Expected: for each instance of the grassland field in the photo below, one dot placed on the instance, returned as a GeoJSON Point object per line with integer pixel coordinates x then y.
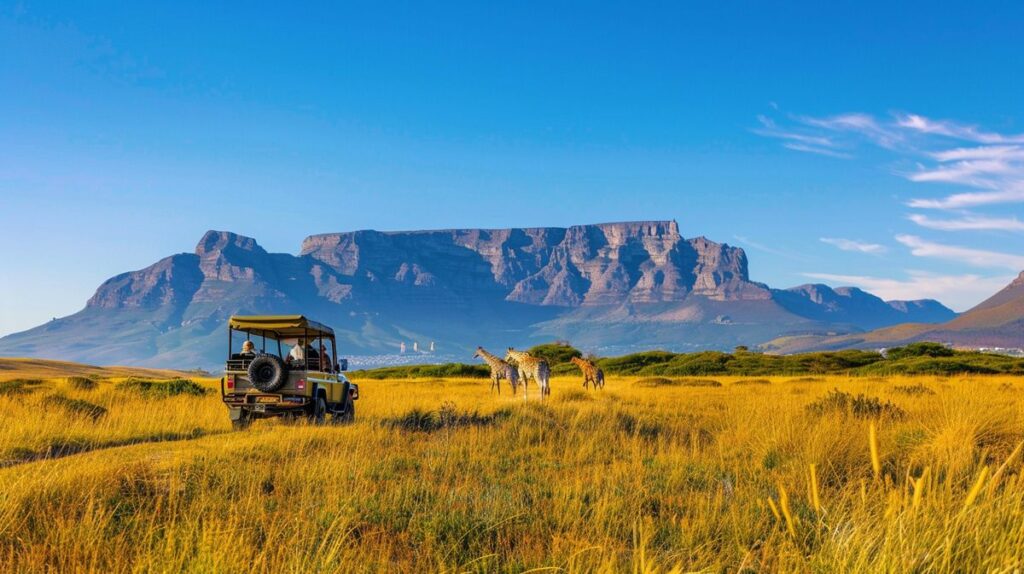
{"type": "Point", "coordinates": [651, 474]}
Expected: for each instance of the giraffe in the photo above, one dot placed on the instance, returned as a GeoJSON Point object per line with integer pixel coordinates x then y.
{"type": "Point", "coordinates": [531, 367]}
{"type": "Point", "coordinates": [591, 374]}
{"type": "Point", "coordinates": [499, 370]}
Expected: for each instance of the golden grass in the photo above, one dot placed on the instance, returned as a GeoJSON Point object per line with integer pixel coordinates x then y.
{"type": "Point", "coordinates": [632, 478]}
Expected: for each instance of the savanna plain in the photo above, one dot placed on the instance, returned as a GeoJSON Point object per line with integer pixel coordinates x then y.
{"type": "Point", "coordinates": [113, 471]}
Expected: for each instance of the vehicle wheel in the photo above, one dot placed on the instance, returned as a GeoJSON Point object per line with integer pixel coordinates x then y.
{"type": "Point", "coordinates": [241, 423]}
{"type": "Point", "coordinates": [347, 416]}
{"type": "Point", "coordinates": [319, 414]}
{"type": "Point", "coordinates": [267, 373]}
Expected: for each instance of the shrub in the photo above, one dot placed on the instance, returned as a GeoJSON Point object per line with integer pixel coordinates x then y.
{"type": "Point", "coordinates": [632, 364]}
{"type": "Point", "coordinates": [81, 383]}
{"type": "Point", "coordinates": [447, 416]}
{"type": "Point", "coordinates": [923, 349]}
{"type": "Point", "coordinates": [913, 390]}
{"type": "Point", "coordinates": [555, 353]}
{"type": "Point", "coordinates": [19, 386]}
{"type": "Point", "coordinates": [861, 406]}
{"type": "Point", "coordinates": [168, 388]}
{"type": "Point", "coordinates": [656, 382]}
{"type": "Point", "coordinates": [447, 370]}
{"type": "Point", "coordinates": [753, 382]}
{"type": "Point", "coordinates": [699, 383]}
{"type": "Point", "coordinates": [75, 406]}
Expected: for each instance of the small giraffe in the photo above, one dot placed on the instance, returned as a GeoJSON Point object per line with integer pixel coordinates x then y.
{"type": "Point", "coordinates": [531, 367]}
{"type": "Point", "coordinates": [499, 370]}
{"type": "Point", "coordinates": [591, 373]}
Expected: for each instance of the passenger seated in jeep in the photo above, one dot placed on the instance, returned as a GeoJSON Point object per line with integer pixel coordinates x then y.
{"type": "Point", "coordinates": [300, 351]}
{"type": "Point", "coordinates": [248, 350]}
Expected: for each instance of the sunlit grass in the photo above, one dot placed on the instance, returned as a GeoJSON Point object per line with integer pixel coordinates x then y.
{"type": "Point", "coordinates": [439, 474]}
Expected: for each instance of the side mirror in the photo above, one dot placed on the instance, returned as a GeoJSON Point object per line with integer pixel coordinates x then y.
{"type": "Point", "coordinates": [342, 365]}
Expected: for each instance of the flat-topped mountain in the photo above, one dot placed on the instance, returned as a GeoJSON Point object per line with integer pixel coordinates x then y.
{"type": "Point", "coordinates": [613, 286]}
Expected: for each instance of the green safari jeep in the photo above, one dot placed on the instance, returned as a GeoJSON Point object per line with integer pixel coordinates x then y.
{"type": "Point", "coordinates": [261, 380]}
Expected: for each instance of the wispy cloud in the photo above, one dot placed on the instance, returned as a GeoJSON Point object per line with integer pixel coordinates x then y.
{"type": "Point", "coordinates": [800, 141]}
{"type": "Point", "coordinates": [854, 245]}
{"type": "Point", "coordinates": [954, 130]}
{"type": "Point", "coordinates": [959, 292]}
{"type": "Point", "coordinates": [970, 199]}
{"type": "Point", "coordinates": [969, 223]}
{"type": "Point", "coordinates": [969, 256]}
{"type": "Point", "coordinates": [946, 152]}
{"type": "Point", "coordinates": [817, 150]}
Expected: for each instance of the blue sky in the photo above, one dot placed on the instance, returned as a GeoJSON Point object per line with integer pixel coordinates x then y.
{"type": "Point", "coordinates": [849, 143]}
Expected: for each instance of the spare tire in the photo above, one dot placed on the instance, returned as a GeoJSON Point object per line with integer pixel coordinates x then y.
{"type": "Point", "coordinates": [267, 373]}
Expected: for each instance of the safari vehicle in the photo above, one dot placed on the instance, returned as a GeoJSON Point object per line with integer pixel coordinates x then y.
{"type": "Point", "coordinates": [270, 383]}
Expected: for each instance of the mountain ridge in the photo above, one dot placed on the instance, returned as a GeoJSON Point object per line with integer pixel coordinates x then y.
{"type": "Point", "coordinates": [625, 284]}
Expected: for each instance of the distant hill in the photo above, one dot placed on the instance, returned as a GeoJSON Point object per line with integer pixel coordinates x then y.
{"type": "Point", "coordinates": [611, 288]}
{"type": "Point", "coordinates": [996, 322]}
{"type": "Point", "coordinates": [47, 369]}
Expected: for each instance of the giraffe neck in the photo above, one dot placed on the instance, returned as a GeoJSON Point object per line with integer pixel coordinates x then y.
{"type": "Point", "coordinates": [492, 360]}
{"type": "Point", "coordinates": [519, 355]}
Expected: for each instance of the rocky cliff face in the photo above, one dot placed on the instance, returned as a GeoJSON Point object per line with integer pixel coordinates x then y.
{"type": "Point", "coordinates": [621, 286]}
{"type": "Point", "coordinates": [605, 264]}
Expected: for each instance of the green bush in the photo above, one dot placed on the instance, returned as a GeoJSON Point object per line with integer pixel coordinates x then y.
{"type": "Point", "coordinates": [167, 388]}
{"type": "Point", "coordinates": [555, 353]}
{"type": "Point", "coordinates": [452, 370]}
{"type": "Point", "coordinates": [923, 349]}
{"type": "Point", "coordinates": [632, 364]}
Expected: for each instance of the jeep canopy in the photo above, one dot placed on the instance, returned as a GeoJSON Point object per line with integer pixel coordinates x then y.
{"type": "Point", "coordinates": [282, 326]}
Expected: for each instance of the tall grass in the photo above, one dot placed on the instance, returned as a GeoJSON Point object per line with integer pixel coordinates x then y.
{"type": "Point", "coordinates": [447, 477]}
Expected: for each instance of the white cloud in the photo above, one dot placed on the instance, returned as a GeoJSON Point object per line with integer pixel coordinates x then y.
{"type": "Point", "coordinates": [959, 292]}
{"type": "Point", "coordinates": [970, 199]}
{"type": "Point", "coordinates": [974, 257]}
{"type": "Point", "coordinates": [1003, 152]}
{"type": "Point", "coordinates": [817, 150]}
{"type": "Point", "coordinates": [995, 164]}
{"type": "Point", "coordinates": [854, 245]}
{"type": "Point", "coordinates": [969, 223]}
{"type": "Point", "coordinates": [953, 130]}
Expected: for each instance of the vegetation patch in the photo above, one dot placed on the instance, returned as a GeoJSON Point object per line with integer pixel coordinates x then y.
{"type": "Point", "coordinates": [446, 417]}
{"type": "Point", "coordinates": [656, 382]}
{"type": "Point", "coordinates": [860, 406]}
{"type": "Point", "coordinates": [699, 383]}
{"type": "Point", "coordinates": [753, 382]}
{"type": "Point", "coordinates": [913, 390]}
{"type": "Point", "coordinates": [19, 386]}
{"type": "Point", "coordinates": [447, 370]}
{"type": "Point", "coordinates": [75, 407]}
{"type": "Point", "coordinates": [81, 383]}
{"type": "Point", "coordinates": [574, 395]}
{"type": "Point", "coordinates": [168, 388]}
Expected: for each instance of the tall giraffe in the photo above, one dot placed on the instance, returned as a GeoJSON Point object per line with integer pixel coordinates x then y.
{"type": "Point", "coordinates": [591, 374]}
{"type": "Point", "coordinates": [499, 370]}
{"type": "Point", "coordinates": [531, 367]}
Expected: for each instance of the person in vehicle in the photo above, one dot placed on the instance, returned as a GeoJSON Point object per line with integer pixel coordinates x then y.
{"type": "Point", "coordinates": [298, 352]}
{"type": "Point", "coordinates": [325, 363]}
{"type": "Point", "coordinates": [248, 350]}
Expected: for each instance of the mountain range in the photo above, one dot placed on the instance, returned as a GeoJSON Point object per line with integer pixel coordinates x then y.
{"type": "Point", "coordinates": [608, 288]}
{"type": "Point", "coordinates": [997, 322]}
